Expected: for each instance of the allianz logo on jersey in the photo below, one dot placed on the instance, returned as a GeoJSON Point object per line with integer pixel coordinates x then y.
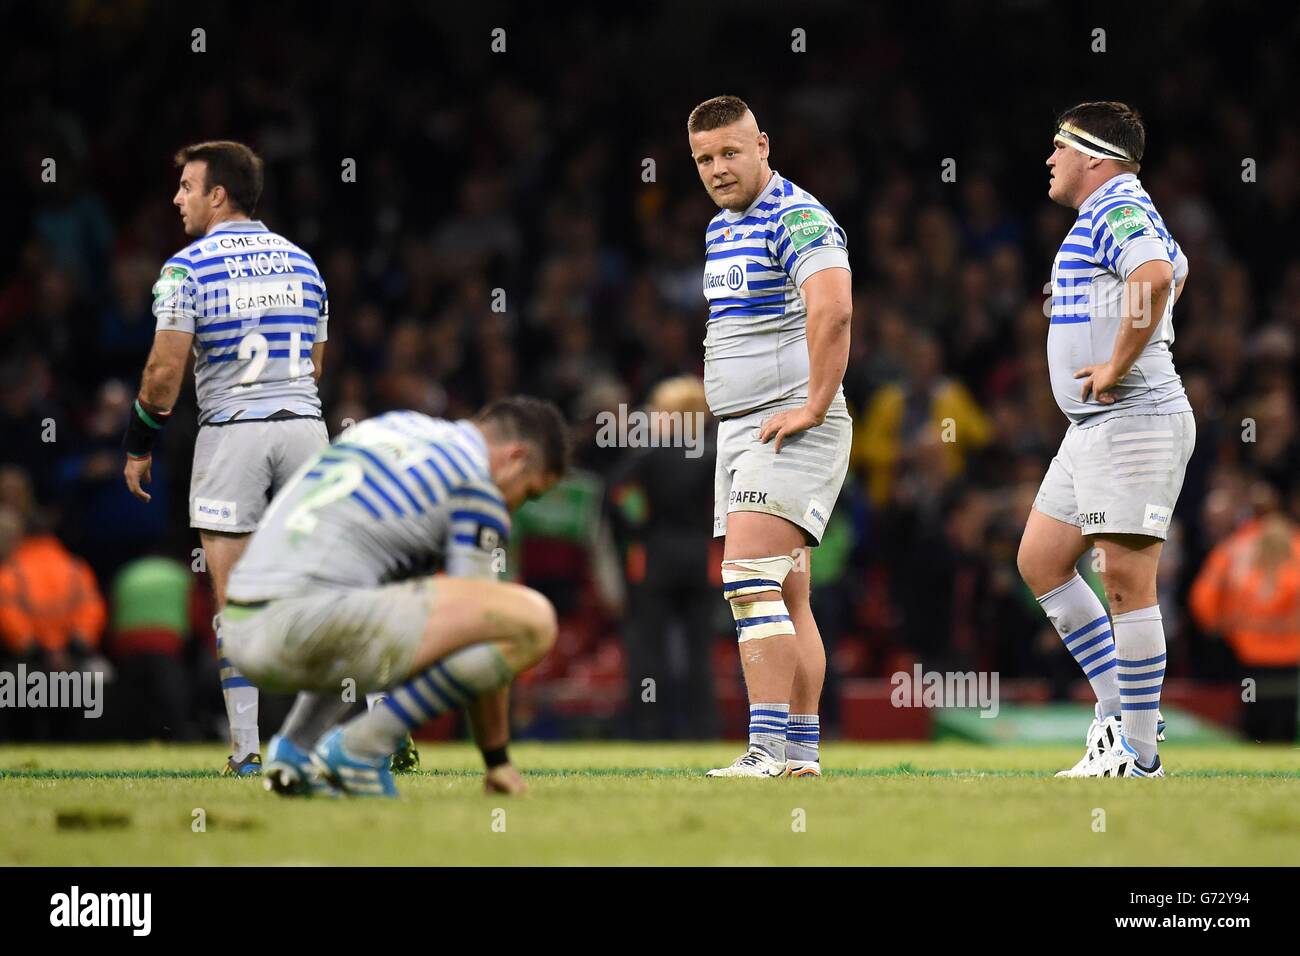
{"type": "Point", "coordinates": [732, 278]}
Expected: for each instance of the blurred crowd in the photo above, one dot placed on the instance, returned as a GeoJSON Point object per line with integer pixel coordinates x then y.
{"type": "Point", "coordinates": [505, 233]}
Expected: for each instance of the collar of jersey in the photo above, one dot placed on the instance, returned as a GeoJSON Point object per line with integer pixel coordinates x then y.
{"type": "Point", "coordinates": [1108, 184]}
{"type": "Point", "coordinates": [241, 225]}
{"type": "Point", "coordinates": [773, 185]}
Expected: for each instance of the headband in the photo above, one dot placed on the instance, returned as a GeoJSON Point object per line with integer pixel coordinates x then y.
{"type": "Point", "coordinates": [1091, 144]}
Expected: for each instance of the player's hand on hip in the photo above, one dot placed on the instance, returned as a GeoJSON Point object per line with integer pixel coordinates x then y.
{"type": "Point", "coordinates": [790, 422]}
{"type": "Point", "coordinates": [137, 472]}
{"type": "Point", "coordinates": [504, 779]}
{"type": "Point", "coordinates": [1099, 380]}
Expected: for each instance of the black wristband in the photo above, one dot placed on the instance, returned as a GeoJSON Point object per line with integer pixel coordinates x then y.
{"type": "Point", "coordinates": [496, 757]}
{"type": "Point", "coordinates": [142, 429]}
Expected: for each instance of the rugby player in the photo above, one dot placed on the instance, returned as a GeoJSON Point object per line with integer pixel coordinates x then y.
{"type": "Point", "coordinates": [334, 592]}
{"type": "Point", "coordinates": [1115, 480]}
{"type": "Point", "coordinates": [778, 286]}
{"type": "Point", "coordinates": [252, 308]}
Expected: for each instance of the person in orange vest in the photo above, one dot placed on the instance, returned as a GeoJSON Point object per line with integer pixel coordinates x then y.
{"type": "Point", "coordinates": [51, 612]}
{"type": "Point", "coordinates": [1248, 591]}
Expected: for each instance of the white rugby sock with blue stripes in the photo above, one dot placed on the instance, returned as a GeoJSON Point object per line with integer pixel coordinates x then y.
{"type": "Point", "coordinates": [1140, 636]}
{"type": "Point", "coordinates": [449, 684]}
{"type": "Point", "coordinates": [768, 724]}
{"type": "Point", "coordinates": [241, 703]}
{"type": "Point", "coordinates": [1076, 612]}
{"type": "Point", "coordinates": [802, 737]}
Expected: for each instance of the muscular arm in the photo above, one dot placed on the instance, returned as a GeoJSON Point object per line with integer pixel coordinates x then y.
{"type": "Point", "coordinates": [160, 385]}
{"type": "Point", "coordinates": [828, 296]}
{"type": "Point", "coordinates": [489, 717]}
{"type": "Point", "coordinates": [1147, 290]}
{"type": "Point", "coordinates": [1146, 294]}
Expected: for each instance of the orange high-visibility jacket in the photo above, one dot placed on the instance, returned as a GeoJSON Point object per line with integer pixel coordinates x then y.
{"type": "Point", "coordinates": [48, 596]}
{"type": "Point", "coordinates": [1256, 610]}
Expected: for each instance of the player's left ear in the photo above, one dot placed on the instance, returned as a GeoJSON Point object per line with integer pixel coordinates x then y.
{"type": "Point", "coordinates": [763, 145]}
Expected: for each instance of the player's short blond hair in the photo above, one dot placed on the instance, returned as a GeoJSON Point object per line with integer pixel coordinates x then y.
{"type": "Point", "coordinates": [685, 394]}
{"type": "Point", "coordinates": [719, 111]}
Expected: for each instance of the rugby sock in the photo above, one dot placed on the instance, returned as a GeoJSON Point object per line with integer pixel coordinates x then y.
{"type": "Point", "coordinates": [1076, 612]}
{"type": "Point", "coordinates": [312, 715]}
{"type": "Point", "coordinates": [802, 737]}
{"type": "Point", "coordinates": [451, 683]}
{"type": "Point", "coordinates": [241, 704]}
{"type": "Point", "coordinates": [1140, 636]}
{"type": "Point", "coordinates": [767, 728]}
{"type": "Point", "coordinates": [374, 697]}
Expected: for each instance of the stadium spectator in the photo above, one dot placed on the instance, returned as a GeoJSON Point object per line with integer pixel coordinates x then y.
{"type": "Point", "coordinates": [1249, 592]}
{"type": "Point", "coordinates": [927, 407]}
{"type": "Point", "coordinates": [153, 611]}
{"type": "Point", "coordinates": [51, 614]}
{"type": "Point", "coordinates": [661, 504]}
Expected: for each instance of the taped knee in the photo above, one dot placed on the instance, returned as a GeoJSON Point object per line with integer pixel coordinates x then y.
{"type": "Point", "coordinates": [750, 576]}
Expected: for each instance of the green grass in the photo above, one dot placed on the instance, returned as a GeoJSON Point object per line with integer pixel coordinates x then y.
{"type": "Point", "coordinates": [621, 803]}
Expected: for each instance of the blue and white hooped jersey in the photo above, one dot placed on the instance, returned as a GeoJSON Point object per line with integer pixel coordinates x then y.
{"type": "Point", "coordinates": [1117, 230]}
{"type": "Point", "coordinates": [255, 303]}
{"type": "Point", "coordinates": [755, 345]}
{"type": "Point", "coordinates": [392, 497]}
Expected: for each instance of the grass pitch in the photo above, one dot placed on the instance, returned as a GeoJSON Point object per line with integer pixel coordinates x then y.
{"type": "Point", "coordinates": [622, 804]}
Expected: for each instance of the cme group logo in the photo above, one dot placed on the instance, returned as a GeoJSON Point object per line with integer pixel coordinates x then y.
{"type": "Point", "coordinates": [735, 278]}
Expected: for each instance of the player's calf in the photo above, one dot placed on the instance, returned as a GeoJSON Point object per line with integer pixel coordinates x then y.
{"type": "Point", "coordinates": [753, 586]}
{"type": "Point", "coordinates": [516, 627]}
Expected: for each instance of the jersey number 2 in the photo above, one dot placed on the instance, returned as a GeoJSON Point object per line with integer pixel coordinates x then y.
{"type": "Point", "coordinates": [254, 346]}
{"type": "Point", "coordinates": [337, 481]}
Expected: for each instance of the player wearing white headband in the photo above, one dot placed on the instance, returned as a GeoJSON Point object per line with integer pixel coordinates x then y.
{"type": "Point", "coordinates": [1114, 482]}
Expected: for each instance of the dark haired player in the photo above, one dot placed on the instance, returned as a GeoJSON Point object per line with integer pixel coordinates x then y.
{"type": "Point", "coordinates": [252, 308]}
{"type": "Point", "coordinates": [1115, 480]}
{"type": "Point", "coordinates": [335, 586]}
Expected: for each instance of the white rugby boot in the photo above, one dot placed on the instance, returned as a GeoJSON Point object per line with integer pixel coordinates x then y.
{"type": "Point", "coordinates": [755, 762]}
{"type": "Point", "coordinates": [1122, 761]}
{"type": "Point", "coordinates": [1102, 736]}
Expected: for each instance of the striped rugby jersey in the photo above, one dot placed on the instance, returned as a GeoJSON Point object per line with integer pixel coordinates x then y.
{"type": "Point", "coordinates": [1118, 229]}
{"type": "Point", "coordinates": [392, 497]}
{"type": "Point", "coordinates": [755, 349]}
{"type": "Point", "coordinates": [255, 304]}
